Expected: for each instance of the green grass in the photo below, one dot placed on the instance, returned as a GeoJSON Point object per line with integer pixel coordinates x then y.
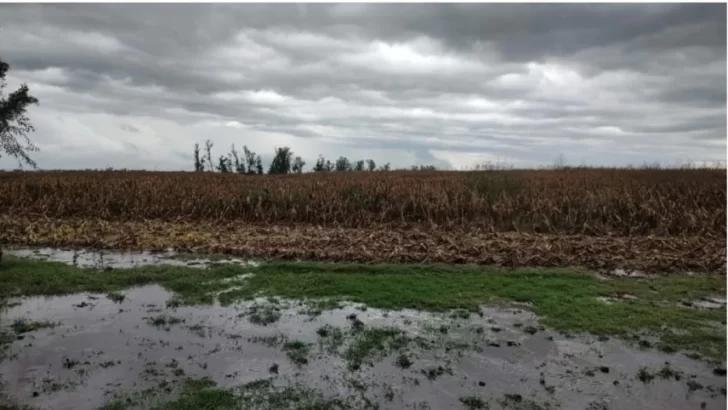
{"type": "Point", "coordinates": [373, 342]}
{"type": "Point", "coordinates": [263, 314]}
{"type": "Point", "coordinates": [297, 351]}
{"type": "Point", "coordinates": [474, 403]}
{"type": "Point", "coordinates": [564, 299]}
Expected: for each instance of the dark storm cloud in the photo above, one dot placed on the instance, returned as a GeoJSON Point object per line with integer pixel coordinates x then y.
{"type": "Point", "coordinates": [134, 85]}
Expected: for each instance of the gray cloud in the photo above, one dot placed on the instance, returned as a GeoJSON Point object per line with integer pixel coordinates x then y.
{"type": "Point", "coordinates": [447, 84]}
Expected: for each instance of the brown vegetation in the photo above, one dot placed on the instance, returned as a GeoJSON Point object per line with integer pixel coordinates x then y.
{"type": "Point", "coordinates": [649, 220]}
{"type": "Point", "coordinates": [591, 202]}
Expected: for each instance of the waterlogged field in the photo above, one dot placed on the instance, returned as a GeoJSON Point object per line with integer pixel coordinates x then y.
{"type": "Point", "coordinates": [83, 330]}
{"type": "Point", "coordinates": [554, 289]}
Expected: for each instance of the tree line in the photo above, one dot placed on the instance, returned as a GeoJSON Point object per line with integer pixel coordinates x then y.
{"type": "Point", "coordinates": [284, 162]}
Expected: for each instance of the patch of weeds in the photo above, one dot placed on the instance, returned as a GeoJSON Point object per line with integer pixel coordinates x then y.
{"type": "Point", "coordinates": [331, 338]}
{"type": "Point", "coordinates": [644, 375]}
{"type": "Point", "coordinates": [116, 297]}
{"type": "Point", "coordinates": [357, 325]}
{"type": "Point", "coordinates": [517, 402]}
{"type": "Point", "coordinates": [693, 355]}
{"type": "Point", "coordinates": [433, 373]}
{"type": "Point", "coordinates": [202, 394]}
{"type": "Point", "coordinates": [173, 364]}
{"type": "Point", "coordinates": [270, 341]}
{"type": "Point", "coordinates": [263, 314]}
{"type": "Point", "coordinates": [69, 363]}
{"type": "Point", "coordinates": [473, 403]}
{"type": "Point", "coordinates": [389, 393]}
{"type": "Point", "coordinates": [598, 405]}
{"type": "Point", "coordinates": [173, 303]}
{"type": "Point", "coordinates": [198, 329]}
{"type": "Point", "coordinates": [107, 364]}
{"type": "Point", "coordinates": [297, 351]}
{"type": "Point", "coordinates": [460, 314]}
{"type": "Point", "coordinates": [115, 405]}
{"type": "Point", "coordinates": [403, 361]}
{"type": "Point", "coordinates": [23, 325]}
{"type": "Point", "coordinates": [316, 307]}
{"type": "Point", "coordinates": [48, 385]}
{"type": "Point", "coordinates": [373, 342]}
{"type": "Point", "coordinates": [669, 373]}
{"type": "Point", "coordinates": [694, 386]}
{"type": "Point", "coordinates": [163, 320]}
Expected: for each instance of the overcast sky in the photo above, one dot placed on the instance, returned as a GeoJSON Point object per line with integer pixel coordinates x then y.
{"type": "Point", "coordinates": [452, 85]}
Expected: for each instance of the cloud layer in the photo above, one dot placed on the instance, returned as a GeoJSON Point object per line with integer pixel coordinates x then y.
{"type": "Point", "coordinates": [446, 84]}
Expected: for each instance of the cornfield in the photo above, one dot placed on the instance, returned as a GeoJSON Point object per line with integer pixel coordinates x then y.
{"type": "Point", "coordinates": [592, 202]}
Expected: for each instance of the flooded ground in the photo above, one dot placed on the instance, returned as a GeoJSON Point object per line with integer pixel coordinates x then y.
{"type": "Point", "coordinates": [101, 259]}
{"type": "Point", "coordinates": [85, 350]}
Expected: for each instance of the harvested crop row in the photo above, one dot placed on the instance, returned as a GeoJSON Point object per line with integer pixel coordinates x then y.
{"type": "Point", "coordinates": [579, 201]}
{"type": "Point", "coordinates": [377, 244]}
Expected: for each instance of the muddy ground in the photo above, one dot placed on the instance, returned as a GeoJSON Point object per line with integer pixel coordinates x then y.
{"type": "Point", "coordinates": [141, 348]}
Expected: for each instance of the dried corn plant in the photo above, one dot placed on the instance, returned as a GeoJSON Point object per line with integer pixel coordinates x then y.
{"type": "Point", "coordinates": [592, 202]}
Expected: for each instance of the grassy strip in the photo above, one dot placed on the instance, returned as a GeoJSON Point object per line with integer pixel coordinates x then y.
{"type": "Point", "coordinates": [566, 300]}
{"type": "Point", "coordinates": [259, 395]}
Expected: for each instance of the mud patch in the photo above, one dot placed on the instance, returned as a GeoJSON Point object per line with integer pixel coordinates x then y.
{"type": "Point", "coordinates": [112, 350]}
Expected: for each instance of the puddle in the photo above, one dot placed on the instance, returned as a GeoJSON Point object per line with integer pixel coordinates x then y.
{"type": "Point", "coordinates": [103, 349]}
{"type": "Point", "coordinates": [709, 303]}
{"type": "Point", "coordinates": [629, 274]}
{"type": "Point", "coordinates": [102, 259]}
{"type": "Point", "coordinates": [618, 298]}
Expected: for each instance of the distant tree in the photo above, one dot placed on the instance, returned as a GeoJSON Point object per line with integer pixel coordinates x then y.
{"type": "Point", "coordinates": [199, 164]}
{"type": "Point", "coordinates": [386, 167]}
{"type": "Point", "coordinates": [259, 165]}
{"type": "Point", "coordinates": [320, 165]}
{"type": "Point", "coordinates": [239, 166]}
{"type": "Point", "coordinates": [560, 161]}
{"type": "Point", "coordinates": [359, 165]}
{"type": "Point", "coordinates": [223, 164]}
{"type": "Point", "coordinates": [343, 164]}
{"type": "Point", "coordinates": [371, 165]}
{"type": "Point", "coordinates": [298, 164]}
{"type": "Point", "coordinates": [281, 163]}
{"type": "Point", "coordinates": [14, 123]}
{"type": "Point", "coordinates": [250, 160]}
{"type": "Point", "coordinates": [208, 149]}
{"type": "Point", "coordinates": [329, 166]}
